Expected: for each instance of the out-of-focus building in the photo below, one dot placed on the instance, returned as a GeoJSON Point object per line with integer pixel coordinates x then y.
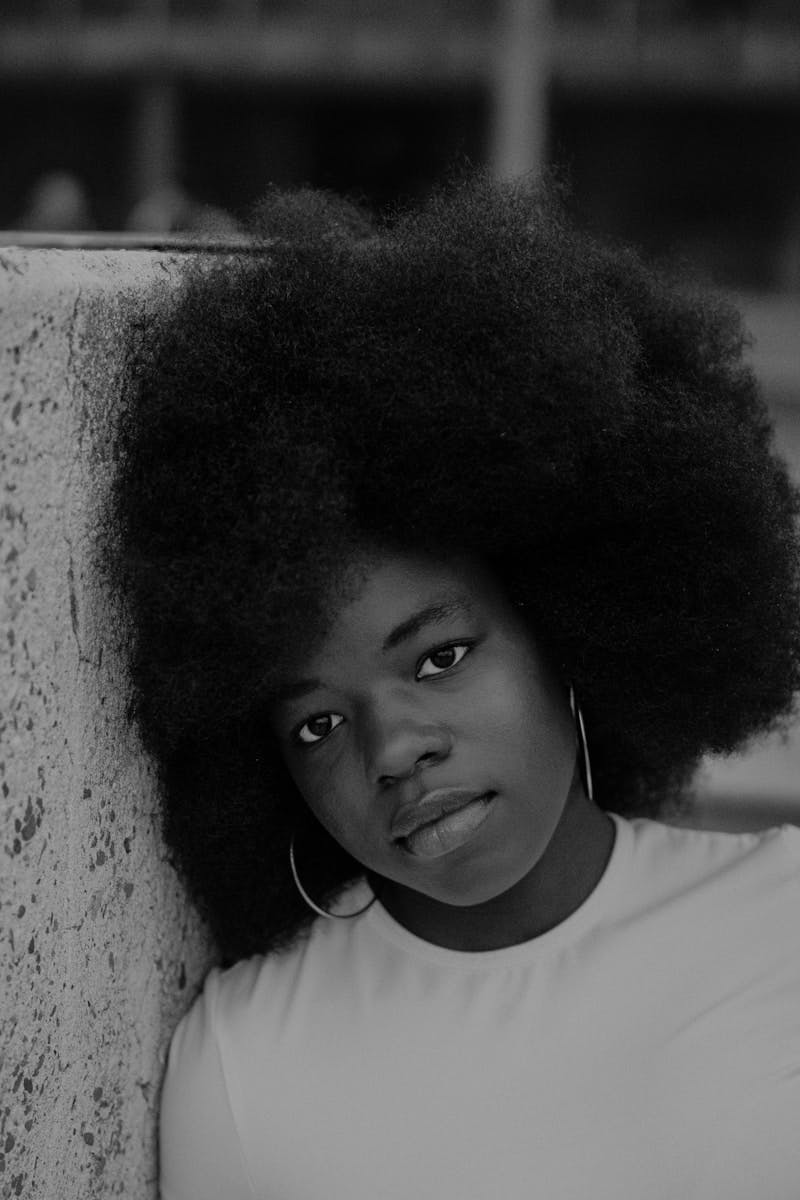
{"type": "Point", "coordinates": [677, 120]}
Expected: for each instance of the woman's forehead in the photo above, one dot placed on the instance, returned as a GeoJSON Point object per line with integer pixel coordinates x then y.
{"type": "Point", "coordinates": [388, 597]}
{"type": "Point", "coordinates": [374, 630]}
{"type": "Point", "coordinates": [390, 578]}
{"type": "Point", "coordinates": [381, 598]}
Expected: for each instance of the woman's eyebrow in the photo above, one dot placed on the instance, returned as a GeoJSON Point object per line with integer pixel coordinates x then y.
{"type": "Point", "coordinates": [293, 690]}
{"type": "Point", "coordinates": [439, 610]}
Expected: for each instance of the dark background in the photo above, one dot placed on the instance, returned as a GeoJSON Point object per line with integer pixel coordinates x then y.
{"type": "Point", "coordinates": [677, 120]}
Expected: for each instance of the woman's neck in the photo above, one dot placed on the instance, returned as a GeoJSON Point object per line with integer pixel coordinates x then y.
{"type": "Point", "coordinates": [559, 883]}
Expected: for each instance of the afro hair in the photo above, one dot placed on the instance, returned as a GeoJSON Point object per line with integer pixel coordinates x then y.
{"type": "Point", "coordinates": [472, 374]}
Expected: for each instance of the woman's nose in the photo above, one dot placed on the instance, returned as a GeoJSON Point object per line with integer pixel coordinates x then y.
{"type": "Point", "coordinates": [398, 743]}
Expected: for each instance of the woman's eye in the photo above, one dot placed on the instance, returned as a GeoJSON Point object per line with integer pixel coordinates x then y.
{"type": "Point", "coordinates": [443, 659]}
{"type": "Point", "coordinates": [317, 728]}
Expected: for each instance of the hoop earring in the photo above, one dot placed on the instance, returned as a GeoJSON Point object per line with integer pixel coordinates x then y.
{"type": "Point", "coordinates": [323, 912]}
{"type": "Point", "coordinates": [581, 730]}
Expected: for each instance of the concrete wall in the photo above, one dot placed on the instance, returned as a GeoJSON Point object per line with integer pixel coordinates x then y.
{"type": "Point", "coordinates": [99, 952]}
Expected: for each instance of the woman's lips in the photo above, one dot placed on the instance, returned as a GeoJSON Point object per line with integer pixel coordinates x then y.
{"type": "Point", "coordinates": [441, 821]}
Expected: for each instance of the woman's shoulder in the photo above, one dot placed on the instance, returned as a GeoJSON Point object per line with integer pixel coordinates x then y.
{"type": "Point", "coordinates": [224, 992]}
{"type": "Point", "coordinates": [779, 843]}
{"type": "Point", "coordinates": [232, 994]}
{"type": "Point", "coordinates": [670, 860]}
{"type": "Point", "coordinates": [235, 998]}
{"type": "Point", "coordinates": [227, 1014]}
{"type": "Point", "coordinates": [201, 1154]}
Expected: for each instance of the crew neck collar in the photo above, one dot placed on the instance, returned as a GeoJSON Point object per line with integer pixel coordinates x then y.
{"type": "Point", "coordinates": [584, 917]}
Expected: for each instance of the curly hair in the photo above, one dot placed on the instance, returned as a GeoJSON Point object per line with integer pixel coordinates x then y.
{"type": "Point", "coordinates": [471, 374]}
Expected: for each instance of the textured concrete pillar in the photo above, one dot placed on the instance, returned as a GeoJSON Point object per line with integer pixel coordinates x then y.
{"type": "Point", "coordinates": [100, 952]}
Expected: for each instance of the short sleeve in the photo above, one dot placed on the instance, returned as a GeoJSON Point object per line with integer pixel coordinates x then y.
{"type": "Point", "coordinates": [790, 835]}
{"type": "Point", "coordinates": [199, 1148]}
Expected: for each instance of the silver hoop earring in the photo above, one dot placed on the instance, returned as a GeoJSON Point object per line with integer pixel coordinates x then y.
{"type": "Point", "coordinates": [323, 912]}
{"type": "Point", "coordinates": [581, 730]}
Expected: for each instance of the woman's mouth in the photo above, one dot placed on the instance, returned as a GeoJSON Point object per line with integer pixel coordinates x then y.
{"type": "Point", "coordinates": [450, 829]}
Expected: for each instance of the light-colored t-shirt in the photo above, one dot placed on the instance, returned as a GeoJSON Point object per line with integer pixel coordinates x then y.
{"type": "Point", "coordinates": [646, 1048]}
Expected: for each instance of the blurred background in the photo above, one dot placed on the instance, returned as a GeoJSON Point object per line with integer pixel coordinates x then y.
{"type": "Point", "coordinates": [677, 121]}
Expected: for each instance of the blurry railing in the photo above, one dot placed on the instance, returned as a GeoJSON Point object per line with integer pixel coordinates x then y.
{"type": "Point", "coordinates": [630, 15]}
{"type": "Point", "coordinates": [721, 45]}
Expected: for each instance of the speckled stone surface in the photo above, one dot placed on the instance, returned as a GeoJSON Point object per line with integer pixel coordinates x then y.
{"type": "Point", "coordinates": [100, 952]}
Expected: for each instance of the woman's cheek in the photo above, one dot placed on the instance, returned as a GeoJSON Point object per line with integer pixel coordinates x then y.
{"type": "Point", "coordinates": [500, 699]}
{"type": "Point", "coordinates": [307, 779]}
{"type": "Point", "coordinates": [517, 702]}
{"type": "Point", "coordinates": [331, 794]}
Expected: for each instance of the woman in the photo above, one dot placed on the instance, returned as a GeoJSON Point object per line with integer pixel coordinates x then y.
{"type": "Point", "coordinates": [406, 510]}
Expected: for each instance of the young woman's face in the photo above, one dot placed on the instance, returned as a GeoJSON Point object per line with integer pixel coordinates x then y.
{"type": "Point", "coordinates": [428, 734]}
